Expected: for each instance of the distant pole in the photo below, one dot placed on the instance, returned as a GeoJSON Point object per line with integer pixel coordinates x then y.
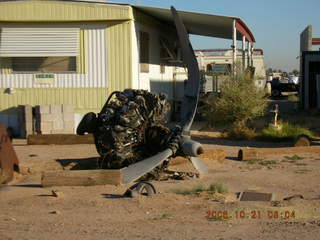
{"type": "Point", "coordinates": [234, 45]}
{"type": "Point", "coordinates": [249, 53]}
{"type": "Point", "coordinates": [243, 53]}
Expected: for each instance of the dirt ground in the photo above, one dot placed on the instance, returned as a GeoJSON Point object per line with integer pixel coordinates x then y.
{"type": "Point", "coordinates": [28, 211]}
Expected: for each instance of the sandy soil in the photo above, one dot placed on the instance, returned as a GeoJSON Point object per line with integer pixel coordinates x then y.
{"type": "Point", "coordinates": [28, 211]}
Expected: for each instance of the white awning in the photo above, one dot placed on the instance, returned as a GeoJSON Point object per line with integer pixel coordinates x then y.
{"type": "Point", "coordinates": [203, 24]}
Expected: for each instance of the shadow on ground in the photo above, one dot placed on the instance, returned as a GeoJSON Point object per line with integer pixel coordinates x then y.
{"type": "Point", "coordinates": [79, 163]}
{"type": "Point", "coordinates": [28, 185]}
{"type": "Point", "coordinates": [113, 196]}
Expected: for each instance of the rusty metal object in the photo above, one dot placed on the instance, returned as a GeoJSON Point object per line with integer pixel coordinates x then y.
{"type": "Point", "coordinates": [8, 158]}
{"type": "Point", "coordinates": [302, 141]}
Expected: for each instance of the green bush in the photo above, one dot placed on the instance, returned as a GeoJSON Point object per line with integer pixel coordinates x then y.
{"type": "Point", "coordinates": [211, 189]}
{"type": "Point", "coordinates": [238, 102]}
{"type": "Point", "coordinates": [240, 132]}
{"type": "Point", "coordinates": [217, 188]}
{"type": "Point", "coordinates": [285, 133]}
{"type": "Point", "coordinates": [293, 98]}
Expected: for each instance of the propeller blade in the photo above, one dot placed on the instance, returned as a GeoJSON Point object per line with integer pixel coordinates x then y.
{"type": "Point", "coordinates": [199, 165]}
{"type": "Point", "coordinates": [137, 170]}
{"type": "Point", "coordinates": [191, 95]}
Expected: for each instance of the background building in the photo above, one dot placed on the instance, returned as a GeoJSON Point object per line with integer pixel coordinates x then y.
{"type": "Point", "coordinates": [221, 60]}
{"type": "Point", "coordinates": [309, 70]}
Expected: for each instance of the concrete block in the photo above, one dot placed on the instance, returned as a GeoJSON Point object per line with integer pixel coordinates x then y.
{"type": "Point", "coordinates": [67, 108]}
{"type": "Point", "coordinates": [68, 117]}
{"type": "Point", "coordinates": [57, 125]}
{"type": "Point", "coordinates": [47, 117]}
{"type": "Point", "coordinates": [29, 126]}
{"type": "Point", "coordinates": [55, 109]}
{"type": "Point", "coordinates": [69, 126]}
{"type": "Point", "coordinates": [43, 109]}
{"type": "Point", "coordinates": [51, 117]}
{"type": "Point", "coordinates": [28, 132]}
{"type": "Point", "coordinates": [28, 113]}
{"type": "Point", "coordinates": [25, 120]}
{"type": "Point", "coordinates": [46, 127]}
{"type": "Point", "coordinates": [62, 131]}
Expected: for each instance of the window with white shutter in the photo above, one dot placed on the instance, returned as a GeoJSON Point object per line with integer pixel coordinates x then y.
{"type": "Point", "coordinates": [40, 49]}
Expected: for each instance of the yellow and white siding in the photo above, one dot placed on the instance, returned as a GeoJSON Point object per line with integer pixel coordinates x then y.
{"type": "Point", "coordinates": [103, 37]}
{"type": "Point", "coordinates": [103, 52]}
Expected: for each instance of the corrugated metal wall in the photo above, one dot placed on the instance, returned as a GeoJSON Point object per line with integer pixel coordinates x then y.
{"type": "Point", "coordinates": [84, 99]}
{"type": "Point", "coordinates": [72, 88]}
{"type": "Point", "coordinates": [61, 11]}
{"type": "Point", "coordinates": [119, 60]}
{"type": "Point", "coordinates": [96, 60]}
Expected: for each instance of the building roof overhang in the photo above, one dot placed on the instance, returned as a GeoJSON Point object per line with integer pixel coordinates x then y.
{"type": "Point", "coordinates": [203, 24]}
{"type": "Point", "coordinates": [74, 10]}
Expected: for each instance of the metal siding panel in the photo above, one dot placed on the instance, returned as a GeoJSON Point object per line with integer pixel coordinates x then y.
{"type": "Point", "coordinates": [98, 69]}
{"type": "Point", "coordinates": [58, 11]}
{"type": "Point", "coordinates": [105, 63]}
{"type": "Point", "coordinates": [82, 57]}
{"type": "Point", "coordinates": [94, 56]}
{"type": "Point", "coordinates": [90, 58]}
{"type": "Point", "coordinates": [102, 63]}
{"type": "Point", "coordinates": [97, 66]}
{"type": "Point", "coordinates": [117, 40]}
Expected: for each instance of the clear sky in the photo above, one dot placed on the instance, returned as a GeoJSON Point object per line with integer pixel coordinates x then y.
{"type": "Point", "coordinates": [276, 24]}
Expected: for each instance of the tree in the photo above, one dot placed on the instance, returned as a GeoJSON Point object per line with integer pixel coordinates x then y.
{"type": "Point", "coordinates": [295, 72]}
{"type": "Point", "coordinates": [269, 71]}
{"type": "Point", "coordinates": [240, 101]}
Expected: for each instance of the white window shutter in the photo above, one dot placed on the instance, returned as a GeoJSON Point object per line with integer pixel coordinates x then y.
{"type": "Point", "coordinates": [38, 42]}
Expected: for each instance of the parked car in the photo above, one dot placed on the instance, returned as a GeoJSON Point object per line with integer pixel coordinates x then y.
{"type": "Point", "coordinates": [278, 87]}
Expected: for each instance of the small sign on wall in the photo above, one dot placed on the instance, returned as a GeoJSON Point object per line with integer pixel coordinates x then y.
{"type": "Point", "coordinates": [44, 78]}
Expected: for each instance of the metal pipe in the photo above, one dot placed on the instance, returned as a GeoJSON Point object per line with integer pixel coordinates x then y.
{"type": "Point", "coordinates": [249, 54]}
{"type": "Point", "coordinates": [243, 53]}
{"type": "Point", "coordinates": [234, 45]}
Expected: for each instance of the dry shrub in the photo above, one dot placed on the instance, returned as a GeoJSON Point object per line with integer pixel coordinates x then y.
{"type": "Point", "coordinates": [240, 132]}
{"type": "Point", "coordinates": [238, 102]}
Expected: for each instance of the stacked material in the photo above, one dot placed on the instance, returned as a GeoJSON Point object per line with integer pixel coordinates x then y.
{"type": "Point", "coordinates": [54, 119]}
